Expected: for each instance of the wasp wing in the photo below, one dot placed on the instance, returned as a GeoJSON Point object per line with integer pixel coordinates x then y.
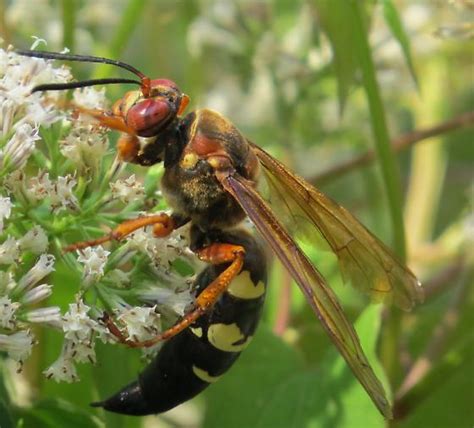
{"type": "Point", "coordinates": [311, 282]}
{"type": "Point", "coordinates": [367, 262]}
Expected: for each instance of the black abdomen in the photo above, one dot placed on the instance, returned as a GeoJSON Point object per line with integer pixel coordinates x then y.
{"type": "Point", "coordinates": [198, 356]}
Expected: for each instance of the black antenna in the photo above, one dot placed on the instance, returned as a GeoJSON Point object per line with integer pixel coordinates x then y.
{"type": "Point", "coordinates": [81, 84]}
{"type": "Point", "coordinates": [81, 58]}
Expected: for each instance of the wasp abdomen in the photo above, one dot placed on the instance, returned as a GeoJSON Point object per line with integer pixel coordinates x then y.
{"type": "Point", "coordinates": [192, 360]}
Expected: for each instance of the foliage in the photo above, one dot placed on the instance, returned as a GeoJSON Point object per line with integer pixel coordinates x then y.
{"type": "Point", "coordinates": [316, 83]}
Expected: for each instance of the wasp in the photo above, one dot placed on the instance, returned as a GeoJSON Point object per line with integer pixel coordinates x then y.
{"type": "Point", "coordinates": [211, 180]}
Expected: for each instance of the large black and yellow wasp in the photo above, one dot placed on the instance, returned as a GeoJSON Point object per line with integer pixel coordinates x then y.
{"type": "Point", "coordinates": [211, 176]}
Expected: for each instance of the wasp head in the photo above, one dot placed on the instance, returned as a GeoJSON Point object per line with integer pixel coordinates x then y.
{"type": "Point", "coordinates": [150, 113]}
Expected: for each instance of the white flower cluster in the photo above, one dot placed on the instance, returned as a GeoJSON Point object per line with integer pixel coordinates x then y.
{"type": "Point", "coordinates": [54, 180]}
{"type": "Point", "coordinates": [87, 143]}
{"type": "Point", "coordinates": [36, 189]}
{"type": "Point", "coordinates": [127, 190]}
{"type": "Point", "coordinates": [80, 332]}
{"type": "Point", "coordinates": [21, 112]}
{"type": "Point", "coordinates": [16, 298]}
{"type": "Point", "coordinates": [161, 251]}
{"type": "Point", "coordinates": [93, 259]}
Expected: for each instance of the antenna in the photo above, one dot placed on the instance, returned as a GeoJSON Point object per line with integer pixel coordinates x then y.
{"type": "Point", "coordinates": [144, 80]}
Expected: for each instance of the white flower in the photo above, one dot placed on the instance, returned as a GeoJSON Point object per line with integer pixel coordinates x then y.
{"type": "Point", "coordinates": [94, 260]}
{"type": "Point", "coordinates": [140, 323]}
{"type": "Point", "coordinates": [19, 148]}
{"type": "Point", "coordinates": [15, 183]}
{"type": "Point", "coordinates": [161, 251]}
{"type": "Point", "coordinates": [90, 98]}
{"type": "Point", "coordinates": [84, 352]}
{"type": "Point", "coordinates": [35, 240]}
{"type": "Point", "coordinates": [9, 251]}
{"type": "Point", "coordinates": [43, 267]}
{"type": "Point", "coordinates": [18, 76]}
{"type": "Point", "coordinates": [85, 145]}
{"type": "Point", "coordinates": [51, 314]}
{"type": "Point", "coordinates": [79, 332]}
{"type": "Point", "coordinates": [77, 325]}
{"type": "Point", "coordinates": [127, 190]}
{"type": "Point", "coordinates": [7, 312]}
{"type": "Point", "coordinates": [41, 186]}
{"type": "Point", "coordinates": [178, 302]}
{"type": "Point", "coordinates": [5, 210]}
{"type": "Point", "coordinates": [8, 110]}
{"type": "Point", "coordinates": [103, 334]}
{"type": "Point", "coordinates": [6, 282]}
{"type": "Point", "coordinates": [36, 294]}
{"type": "Point", "coordinates": [63, 369]}
{"type": "Point", "coordinates": [18, 345]}
{"type": "Point", "coordinates": [61, 196]}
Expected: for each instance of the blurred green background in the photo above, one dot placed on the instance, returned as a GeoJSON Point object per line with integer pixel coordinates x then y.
{"type": "Point", "coordinates": [318, 84]}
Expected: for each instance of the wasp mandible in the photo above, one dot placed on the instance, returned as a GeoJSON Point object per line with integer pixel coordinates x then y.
{"type": "Point", "coordinates": [211, 176]}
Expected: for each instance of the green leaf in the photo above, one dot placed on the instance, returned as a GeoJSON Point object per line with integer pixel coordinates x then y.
{"type": "Point", "coordinates": [445, 397]}
{"type": "Point", "coordinates": [58, 413]}
{"type": "Point", "coordinates": [337, 22]}
{"type": "Point", "coordinates": [279, 392]}
{"type": "Point", "coordinates": [117, 367]}
{"type": "Point", "coordinates": [396, 27]}
{"type": "Point", "coordinates": [5, 416]}
{"type": "Point", "coordinates": [330, 395]}
{"type": "Point", "coordinates": [239, 398]}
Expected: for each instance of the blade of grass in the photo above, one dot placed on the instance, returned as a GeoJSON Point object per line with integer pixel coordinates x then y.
{"type": "Point", "coordinates": [130, 20]}
{"type": "Point", "coordinates": [387, 160]}
{"type": "Point", "coordinates": [398, 31]}
{"type": "Point", "coordinates": [69, 23]}
{"type": "Point", "coordinates": [336, 20]}
{"type": "Point", "coordinates": [390, 175]}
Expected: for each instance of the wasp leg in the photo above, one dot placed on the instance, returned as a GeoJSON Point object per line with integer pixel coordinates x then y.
{"type": "Point", "coordinates": [106, 118]}
{"type": "Point", "coordinates": [128, 148]}
{"type": "Point", "coordinates": [215, 254]}
{"type": "Point", "coordinates": [163, 225]}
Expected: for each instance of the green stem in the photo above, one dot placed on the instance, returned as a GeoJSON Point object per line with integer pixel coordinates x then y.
{"type": "Point", "coordinates": [385, 155]}
{"type": "Point", "coordinates": [69, 21]}
{"type": "Point", "coordinates": [390, 175]}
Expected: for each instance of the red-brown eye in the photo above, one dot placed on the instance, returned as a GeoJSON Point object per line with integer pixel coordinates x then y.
{"type": "Point", "coordinates": [148, 116]}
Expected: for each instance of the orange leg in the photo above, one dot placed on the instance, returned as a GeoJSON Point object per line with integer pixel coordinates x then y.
{"type": "Point", "coordinates": [162, 223]}
{"type": "Point", "coordinates": [106, 118]}
{"type": "Point", "coordinates": [214, 254]}
{"type": "Point", "coordinates": [128, 148]}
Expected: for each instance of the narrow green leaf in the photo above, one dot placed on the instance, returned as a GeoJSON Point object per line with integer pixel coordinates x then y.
{"type": "Point", "coordinates": [69, 21]}
{"type": "Point", "coordinates": [396, 27]}
{"type": "Point", "coordinates": [387, 160]}
{"type": "Point", "coordinates": [130, 20]}
{"type": "Point", "coordinates": [337, 22]}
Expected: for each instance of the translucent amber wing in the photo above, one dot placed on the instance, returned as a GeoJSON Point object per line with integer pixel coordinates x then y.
{"type": "Point", "coordinates": [318, 294]}
{"type": "Point", "coordinates": [364, 260]}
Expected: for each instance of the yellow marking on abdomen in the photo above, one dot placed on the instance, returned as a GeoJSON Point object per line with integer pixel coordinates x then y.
{"type": "Point", "coordinates": [205, 376]}
{"type": "Point", "coordinates": [227, 337]}
{"type": "Point", "coordinates": [243, 287]}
